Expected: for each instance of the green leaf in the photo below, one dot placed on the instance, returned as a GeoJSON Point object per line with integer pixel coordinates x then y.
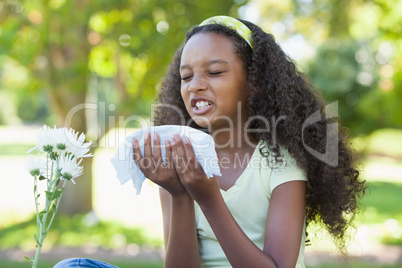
{"type": "Point", "coordinates": [41, 178]}
{"type": "Point", "coordinates": [43, 212]}
{"type": "Point", "coordinates": [49, 195]}
{"type": "Point", "coordinates": [28, 259]}
{"type": "Point", "coordinates": [36, 239]}
{"type": "Point", "coordinates": [53, 195]}
{"type": "Point", "coordinates": [57, 193]}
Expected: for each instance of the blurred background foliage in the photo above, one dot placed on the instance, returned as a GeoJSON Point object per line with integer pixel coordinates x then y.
{"type": "Point", "coordinates": [119, 49]}
{"type": "Point", "coordinates": [60, 60]}
{"type": "Point", "coordinates": [57, 54]}
{"type": "Point", "coordinates": [93, 65]}
{"type": "Point", "coordinates": [351, 49]}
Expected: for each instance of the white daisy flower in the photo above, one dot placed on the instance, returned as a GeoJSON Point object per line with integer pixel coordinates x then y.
{"type": "Point", "coordinates": [59, 136]}
{"type": "Point", "coordinates": [35, 165]}
{"type": "Point", "coordinates": [70, 168]}
{"type": "Point", "coordinates": [77, 145]}
{"type": "Point", "coordinates": [56, 139]}
{"type": "Point", "coordinates": [45, 140]}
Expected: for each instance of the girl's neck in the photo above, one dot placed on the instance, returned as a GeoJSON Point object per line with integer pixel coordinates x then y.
{"type": "Point", "coordinates": [231, 141]}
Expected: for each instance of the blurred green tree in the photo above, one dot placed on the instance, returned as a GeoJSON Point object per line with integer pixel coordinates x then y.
{"type": "Point", "coordinates": [356, 62]}
{"type": "Point", "coordinates": [357, 54]}
{"type": "Point", "coordinates": [86, 55]}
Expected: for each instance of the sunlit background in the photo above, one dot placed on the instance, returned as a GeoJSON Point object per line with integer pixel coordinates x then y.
{"type": "Point", "coordinates": [96, 66]}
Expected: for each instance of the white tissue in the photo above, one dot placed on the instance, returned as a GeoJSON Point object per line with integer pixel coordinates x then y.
{"type": "Point", "coordinates": [203, 145]}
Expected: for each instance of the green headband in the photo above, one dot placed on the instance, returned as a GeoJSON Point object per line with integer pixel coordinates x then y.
{"type": "Point", "coordinates": [233, 23]}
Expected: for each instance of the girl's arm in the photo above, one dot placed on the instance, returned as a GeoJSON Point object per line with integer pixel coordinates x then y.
{"type": "Point", "coordinates": [283, 230]}
{"type": "Point", "coordinates": [177, 205]}
{"type": "Point", "coordinates": [284, 221]}
{"type": "Point", "coordinates": [179, 228]}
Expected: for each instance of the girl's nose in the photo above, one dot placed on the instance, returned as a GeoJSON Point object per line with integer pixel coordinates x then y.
{"type": "Point", "coordinates": [197, 84]}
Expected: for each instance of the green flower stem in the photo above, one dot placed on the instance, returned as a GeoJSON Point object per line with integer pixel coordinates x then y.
{"type": "Point", "coordinates": [38, 248]}
{"type": "Point", "coordinates": [47, 169]}
{"type": "Point", "coordinates": [42, 230]}
{"type": "Point", "coordinates": [55, 182]}
{"type": "Point", "coordinates": [57, 206]}
{"type": "Point", "coordinates": [36, 202]}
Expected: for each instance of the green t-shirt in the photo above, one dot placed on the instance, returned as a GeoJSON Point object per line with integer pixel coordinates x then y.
{"type": "Point", "coordinates": [248, 201]}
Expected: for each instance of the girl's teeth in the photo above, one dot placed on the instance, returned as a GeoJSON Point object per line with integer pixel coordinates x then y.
{"type": "Point", "coordinates": [202, 104]}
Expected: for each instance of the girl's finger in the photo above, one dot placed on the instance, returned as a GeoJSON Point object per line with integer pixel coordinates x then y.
{"type": "Point", "coordinates": [147, 162]}
{"type": "Point", "coordinates": [179, 154]}
{"type": "Point", "coordinates": [147, 145]}
{"type": "Point", "coordinates": [157, 147]}
{"type": "Point", "coordinates": [136, 150]}
{"type": "Point", "coordinates": [188, 147]}
{"type": "Point", "coordinates": [168, 156]}
{"type": "Point", "coordinates": [179, 147]}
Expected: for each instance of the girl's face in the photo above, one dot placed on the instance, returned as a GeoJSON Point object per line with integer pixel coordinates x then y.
{"type": "Point", "coordinates": [213, 82]}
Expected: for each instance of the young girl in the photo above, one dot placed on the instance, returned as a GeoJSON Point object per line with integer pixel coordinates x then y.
{"type": "Point", "coordinates": [232, 80]}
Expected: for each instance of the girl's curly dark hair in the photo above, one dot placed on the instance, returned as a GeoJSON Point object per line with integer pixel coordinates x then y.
{"type": "Point", "coordinates": [278, 90]}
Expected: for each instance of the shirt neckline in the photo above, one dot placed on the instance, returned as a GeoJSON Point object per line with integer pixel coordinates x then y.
{"type": "Point", "coordinates": [242, 178]}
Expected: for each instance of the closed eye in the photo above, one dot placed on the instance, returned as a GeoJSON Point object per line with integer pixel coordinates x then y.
{"type": "Point", "coordinates": [186, 78]}
{"type": "Point", "coordinates": [215, 73]}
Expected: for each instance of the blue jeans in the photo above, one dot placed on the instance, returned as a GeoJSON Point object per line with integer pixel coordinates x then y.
{"type": "Point", "coordinates": [83, 262]}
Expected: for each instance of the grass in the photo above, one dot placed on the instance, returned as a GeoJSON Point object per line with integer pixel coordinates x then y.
{"type": "Point", "coordinates": [77, 231]}
{"type": "Point", "coordinates": [15, 149]}
{"type": "Point", "coordinates": [382, 213]}
{"type": "Point", "coordinates": [383, 201]}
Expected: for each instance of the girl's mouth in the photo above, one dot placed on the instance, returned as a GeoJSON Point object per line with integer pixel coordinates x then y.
{"type": "Point", "coordinates": [201, 106]}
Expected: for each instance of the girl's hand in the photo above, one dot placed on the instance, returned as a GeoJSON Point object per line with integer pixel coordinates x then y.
{"type": "Point", "coordinates": [152, 164]}
{"type": "Point", "coordinates": [192, 176]}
